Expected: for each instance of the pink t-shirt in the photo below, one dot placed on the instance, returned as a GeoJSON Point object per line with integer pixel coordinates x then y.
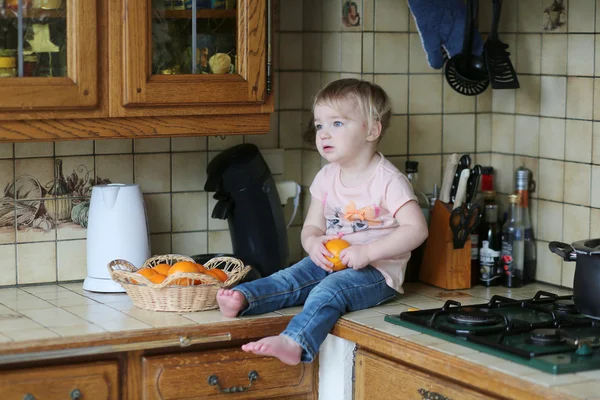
{"type": "Point", "coordinates": [366, 212]}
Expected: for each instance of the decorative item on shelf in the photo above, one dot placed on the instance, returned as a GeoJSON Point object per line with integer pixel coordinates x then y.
{"type": "Point", "coordinates": [170, 71]}
{"type": "Point", "coordinates": [29, 63]}
{"type": "Point", "coordinates": [60, 208]}
{"type": "Point", "coordinates": [220, 63]}
{"type": "Point", "coordinates": [46, 4]}
{"type": "Point", "coordinates": [218, 4]}
{"type": "Point", "coordinates": [175, 4]}
{"type": "Point", "coordinates": [40, 43]}
{"type": "Point", "coordinates": [14, 4]}
{"type": "Point", "coordinates": [8, 66]}
{"type": "Point", "coordinates": [200, 4]}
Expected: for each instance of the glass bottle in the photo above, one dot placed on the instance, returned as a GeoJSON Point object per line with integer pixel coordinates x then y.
{"type": "Point", "coordinates": [530, 258]}
{"type": "Point", "coordinates": [513, 251]}
{"type": "Point", "coordinates": [60, 209]}
{"type": "Point", "coordinates": [412, 268]}
{"type": "Point", "coordinates": [491, 247]}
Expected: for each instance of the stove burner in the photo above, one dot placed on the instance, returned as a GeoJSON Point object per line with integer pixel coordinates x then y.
{"type": "Point", "coordinates": [545, 337]}
{"type": "Point", "coordinates": [474, 317]}
{"type": "Point", "coordinates": [565, 307]}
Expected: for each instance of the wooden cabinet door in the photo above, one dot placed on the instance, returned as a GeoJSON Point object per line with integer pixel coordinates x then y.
{"type": "Point", "coordinates": [87, 381]}
{"type": "Point", "coordinates": [161, 68]}
{"type": "Point", "coordinates": [55, 56]}
{"type": "Point", "coordinates": [189, 376]}
{"type": "Point", "coordinates": [379, 378]}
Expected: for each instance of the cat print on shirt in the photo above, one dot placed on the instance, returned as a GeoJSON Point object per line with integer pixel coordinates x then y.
{"type": "Point", "coordinates": [352, 219]}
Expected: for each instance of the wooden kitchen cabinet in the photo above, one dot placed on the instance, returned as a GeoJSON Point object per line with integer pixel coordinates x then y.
{"type": "Point", "coordinates": [380, 378]}
{"type": "Point", "coordinates": [83, 381]}
{"type": "Point", "coordinates": [141, 68]}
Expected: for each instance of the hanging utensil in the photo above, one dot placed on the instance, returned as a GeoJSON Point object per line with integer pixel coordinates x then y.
{"type": "Point", "coordinates": [466, 72]}
{"type": "Point", "coordinates": [501, 72]}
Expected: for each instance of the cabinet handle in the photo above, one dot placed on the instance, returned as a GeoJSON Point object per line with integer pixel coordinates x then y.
{"type": "Point", "coordinates": [427, 395]}
{"type": "Point", "coordinates": [213, 380]}
{"type": "Point", "coordinates": [269, 53]}
{"type": "Point", "coordinates": [29, 396]}
{"type": "Point", "coordinates": [76, 394]}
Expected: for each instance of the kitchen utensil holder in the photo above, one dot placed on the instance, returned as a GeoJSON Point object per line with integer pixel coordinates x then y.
{"type": "Point", "coordinates": [166, 296]}
{"type": "Point", "coordinates": [443, 265]}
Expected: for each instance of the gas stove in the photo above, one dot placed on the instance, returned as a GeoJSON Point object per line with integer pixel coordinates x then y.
{"type": "Point", "coordinates": [545, 332]}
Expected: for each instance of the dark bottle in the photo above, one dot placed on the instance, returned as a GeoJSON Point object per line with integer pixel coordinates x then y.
{"type": "Point", "coordinates": [530, 257]}
{"type": "Point", "coordinates": [513, 245]}
{"type": "Point", "coordinates": [490, 272]}
{"type": "Point", "coordinates": [416, 256]}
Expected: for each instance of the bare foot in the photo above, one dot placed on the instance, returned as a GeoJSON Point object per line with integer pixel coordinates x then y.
{"type": "Point", "coordinates": [231, 302]}
{"type": "Point", "coordinates": [280, 346]}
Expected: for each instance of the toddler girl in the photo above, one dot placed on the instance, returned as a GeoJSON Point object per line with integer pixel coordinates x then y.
{"type": "Point", "coordinates": [359, 196]}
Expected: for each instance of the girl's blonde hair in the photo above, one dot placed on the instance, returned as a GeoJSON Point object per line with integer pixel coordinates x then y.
{"type": "Point", "coordinates": [372, 101]}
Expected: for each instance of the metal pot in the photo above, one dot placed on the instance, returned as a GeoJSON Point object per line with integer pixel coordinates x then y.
{"type": "Point", "coordinates": [586, 284]}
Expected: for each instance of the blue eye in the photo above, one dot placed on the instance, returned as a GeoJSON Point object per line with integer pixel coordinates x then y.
{"type": "Point", "coordinates": [318, 126]}
{"type": "Point", "coordinates": [337, 124]}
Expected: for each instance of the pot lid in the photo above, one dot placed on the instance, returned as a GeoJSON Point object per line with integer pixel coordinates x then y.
{"type": "Point", "coordinates": [588, 246]}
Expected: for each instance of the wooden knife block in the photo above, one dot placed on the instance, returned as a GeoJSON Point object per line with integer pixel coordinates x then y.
{"type": "Point", "coordinates": [442, 265]}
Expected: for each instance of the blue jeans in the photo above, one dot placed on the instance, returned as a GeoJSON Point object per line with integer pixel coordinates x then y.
{"type": "Point", "coordinates": [326, 296]}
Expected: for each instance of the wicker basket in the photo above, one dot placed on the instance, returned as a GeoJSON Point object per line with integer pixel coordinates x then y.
{"type": "Point", "coordinates": [167, 296]}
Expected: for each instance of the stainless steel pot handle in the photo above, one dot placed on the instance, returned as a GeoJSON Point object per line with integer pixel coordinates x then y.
{"type": "Point", "coordinates": [564, 250]}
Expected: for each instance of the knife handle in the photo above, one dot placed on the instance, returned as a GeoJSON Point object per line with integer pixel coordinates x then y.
{"type": "Point", "coordinates": [451, 164]}
{"type": "Point", "coordinates": [461, 191]}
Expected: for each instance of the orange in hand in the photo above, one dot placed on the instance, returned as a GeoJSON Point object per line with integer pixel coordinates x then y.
{"type": "Point", "coordinates": [335, 246]}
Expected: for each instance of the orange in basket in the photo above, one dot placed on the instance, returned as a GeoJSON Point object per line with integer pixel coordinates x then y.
{"type": "Point", "coordinates": [184, 266]}
{"type": "Point", "coordinates": [162, 269]}
{"type": "Point", "coordinates": [218, 274]}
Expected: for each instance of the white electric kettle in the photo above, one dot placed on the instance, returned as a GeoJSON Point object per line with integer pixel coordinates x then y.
{"type": "Point", "coordinates": [117, 229]}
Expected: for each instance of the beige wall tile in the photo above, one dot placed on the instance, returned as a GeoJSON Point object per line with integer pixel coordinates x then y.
{"type": "Point", "coordinates": [529, 16]}
{"type": "Point", "coordinates": [328, 77]}
{"type": "Point", "coordinates": [391, 50]}
{"type": "Point", "coordinates": [74, 147]}
{"type": "Point", "coordinates": [396, 87]}
{"type": "Point", "coordinates": [274, 160]}
{"type": "Point", "coordinates": [291, 97]}
{"type": "Point", "coordinates": [597, 98]}
{"type": "Point", "coordinates": [311, 164]}
{"type": "Point", "coordinates": [7, 173]}
{"type": "Point", "coordinates": [596, 143]}
{"type": "Point", "coordinates": [153, 172]}
{"type": "Point", "coordinates": [214, 224]}
{"type": "Point", "coordinates": [568, 273]}
{"type": "Point", "coordinates": [368, 51]}
{"type": "Point", "coordinates": [550, 220]}
{"type": "Point", "coordinates": [528, 96]}
{"type": "Point", "coordinates": [455, 102]}
{"type": "Point", "coordinates": [36, 262]}
{"type": "Point", "coordinates": [269, 140]}
{"type": "Point", "coordinates": [581, 15]}
{"type": "Point", "coordinates": [113, 146]}
{"type": "Point", "coordinates": [218, 143]}
{"type": "Point", "coordinates": [8, 230]}
{"type": "Point", "coordinates": [188, 171]}
{"type": "Point", "coordinates": [160, 243]}
{"type": "Point", "coordinates": [527, 134]}
{"type": "Point", "coordinates": [395, 140]}
{"type": "Point", "coordinates": [577, 183]}
{"type": "Point", "coordinates": [189, 212]}
{"type": "Point", "coordinates": [425, 134]}
{"type": "Point", "coordinates": [458, 133]}
{"type": "Point", "coordinates": [553, 96]}
{"type": "Point", "coordinates": [503, 133]}
{"type": "Point", "coordinates": [311, 53]}
{"type": "Point", "coordinates": [597, 52]}
{"type": "Point", "coordinates": [580, 58]}
{"type": "Point", "coordinates": [71, 259]}
{"type": "Point", "coordinates": [290, 48]}
{"type": "Point", "coordinates": [595, 188]}
{"type": "Point", "coordinates": [554, 54]}
{"type": "Point", "coordinates": [528, 53]}
{"type": "Point", "coordinates": [292, 166]}
{"type": "Point", "coordinates": [332, 15]}
{"type": "Point", "coordinates": [294, 244]}
{"type": "Point", "coordinates": [580, 97]}
{"type": "Point", "coordinates": [117, 168]}
{"type": "Point", "coordinates": [503, 101]}
{"type": "Point", "coordinates": [431, 85]}
{"type": "Point", "coordinates": [290, 129]}
{"type": "Point", "coordinates": [312, 15]}
{"type": "Point", "coordinates": [430, 170]}
{"type": "Point", "coordinates": [189, 143]}
{"type": "Point", "coordinates": [391, 15]}
{"type": "Point", "coordinates": [28, 233]}
{"type": "Point", "coordinates": [578, 143]}
{"type": "Point", "coordinates": [290, 15]}
{"type": "Point", "coordinates": [576, 223]}
{"type": "Point", "coordinates": [418, 58]}
{"type": "Point", "coordinates": [190, 243]}
{"type": "Point", "coordinates": [551, 182]}
{"type": "Point", "coordinates": [552, 138]}
{"type": "Point", "coordinates": [351, 52]}
{"type": "Point", "coordinates": [504, 173]}
{"type": "Point", "coordinates": [331, 52]}
{"type": "Point", "coordinates": [154, 145]}
{"type": "Point", "coordinates": [219, 242]}
{"type": "Point", "coordinates": [9, 268]}
{"type": "Point", "coordinates": [594, 223]}
{"type": "Point", "coordinates": [549, 265]}
{"type": "Point", "coordinates": [158, 211]}
{"type": "Point", "coordinates": [485, 101]}
{"type": "Point", "coordinates": [34, 149]}
{"type": "Point", "coordinates": [42, 169]}
{"type": "Point", "coordinates": [6, 150]}
{"type": "Point", "coordinates": [484, 132]}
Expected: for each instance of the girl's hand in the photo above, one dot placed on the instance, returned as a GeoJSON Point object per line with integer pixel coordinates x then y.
{"type": "Point", "coordinates": [355, 256]}
{"type": "Point", "coordinates": [318, 253]}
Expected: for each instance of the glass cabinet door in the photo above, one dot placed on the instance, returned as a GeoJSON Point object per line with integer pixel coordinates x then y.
{"type": "Point", "coordinates": [195, 52]}
{"type": "Point", "coordinates": [48, 56]}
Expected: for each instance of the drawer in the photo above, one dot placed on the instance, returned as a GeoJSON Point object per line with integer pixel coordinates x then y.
{"type": "Point", "coordinates": [83, 381]}
{"type": "Point", "coordinates": [186, 376]}
{"type": "Point", "coordinates": [379, 378]}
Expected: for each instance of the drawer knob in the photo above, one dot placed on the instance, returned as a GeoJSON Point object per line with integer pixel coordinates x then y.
{"type": "Point", "coordinates": [427, 395]}
{"type": "Point", "coordinates": [76, 394]}
{"type": "Point", "coordinates": [29, 396]}
{"type": "Point", "coordinates": [213, 380]}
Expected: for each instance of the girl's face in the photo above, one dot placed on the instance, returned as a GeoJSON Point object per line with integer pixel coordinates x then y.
{"type": "Point", "coordinates": [341, 133]}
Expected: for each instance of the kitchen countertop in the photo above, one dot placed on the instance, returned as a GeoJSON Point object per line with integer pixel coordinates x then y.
{"type": "Point", "coordinates": [57, 311]}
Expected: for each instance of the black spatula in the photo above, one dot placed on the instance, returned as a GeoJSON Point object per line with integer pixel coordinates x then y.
{"type": "Point", "coordinates": [500, 70]}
